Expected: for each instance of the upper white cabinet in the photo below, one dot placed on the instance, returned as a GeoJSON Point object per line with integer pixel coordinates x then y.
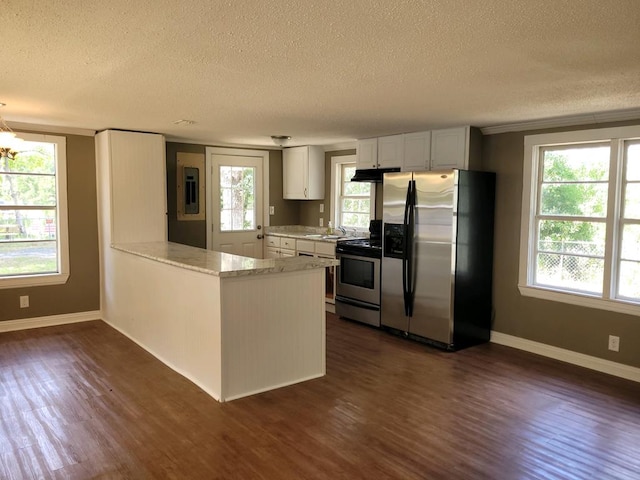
{"type": "Point", "coordinates": [456, 148]}
{"type": "Point", "coordinates": [390, 151]}
{"type": "Point", "coordinates": [367, 153]}
{"type": "Point", "coordinates": [382, 152]}
{"type": "Point", "coordinates": [131, 181]}
{"type": "Point", "coordinates": [433, 150]}
{"type": "Point", "coordinates": [303, 173]}
{"type": "Point", "coordinates": [417, 151]}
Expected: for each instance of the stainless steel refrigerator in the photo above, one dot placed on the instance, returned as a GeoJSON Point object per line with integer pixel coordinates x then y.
{"type": "Point", "coordinates": [437, 256]}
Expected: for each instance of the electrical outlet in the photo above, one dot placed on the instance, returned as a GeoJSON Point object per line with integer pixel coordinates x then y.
{"type": "Point", "coordinates": [322, 208]}
{"type": "Point", "coordinates": [614, 343]}
{"type": "Point", "coordinates": [322, 222]}
{"type": "Point", "coordinates": [24, 301]}
{"type": "Point", "coordinates": [272, 210]}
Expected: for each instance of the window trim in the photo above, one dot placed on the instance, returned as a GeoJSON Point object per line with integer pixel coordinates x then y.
{"type": "Point", "coordinates": [336, 163]}
{"type": "Point", "coordinates": [42, 279]}
{"type": "Point", "coordinates": [531, 169]}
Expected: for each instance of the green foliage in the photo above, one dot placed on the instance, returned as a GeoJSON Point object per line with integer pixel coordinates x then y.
{"type": "Point", "coordinates": [572, 199]}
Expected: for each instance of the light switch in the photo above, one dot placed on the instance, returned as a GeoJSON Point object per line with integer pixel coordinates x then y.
{"type": "Point", "coordinates": [321, 222]}
{"type": "Point", "coordinates": [322, 208]}
{"type": "Point", "coordinates": [272, 210]}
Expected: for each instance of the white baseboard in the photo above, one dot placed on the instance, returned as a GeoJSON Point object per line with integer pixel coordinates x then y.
{"type": "Point", "coordinates": [575, 358]}
{"type": "Point", "coordinates": [48, 321]}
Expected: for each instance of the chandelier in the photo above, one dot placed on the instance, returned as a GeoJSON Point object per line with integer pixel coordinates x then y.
{"type": "Point", "coordinates": [9, 142]}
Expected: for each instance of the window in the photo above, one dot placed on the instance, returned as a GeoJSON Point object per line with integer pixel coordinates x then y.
{"type": "Point", "coordinates": [237, 193]}
{"type": "Point", "coordinates": [33, 214]}
{"type": "Point", "coordinates": [581, 218]}
{"type": "Point", "coordinates": [353, 202]}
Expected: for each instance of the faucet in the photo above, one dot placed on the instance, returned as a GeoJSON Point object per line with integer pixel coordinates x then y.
{"type": "Point", "coordinates": [342, 229]}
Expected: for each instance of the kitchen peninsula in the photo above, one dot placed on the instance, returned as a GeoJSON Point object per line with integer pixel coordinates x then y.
{"type": "Point", "coordinates": [233, 325]}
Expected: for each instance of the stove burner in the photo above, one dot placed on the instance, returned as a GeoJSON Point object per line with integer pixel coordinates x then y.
{"type": "Point", "coordinates": [364, 247]}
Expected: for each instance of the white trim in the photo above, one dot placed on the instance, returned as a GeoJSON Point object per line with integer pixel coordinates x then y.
{"type": "Point", "coordinates": [264, 154]}
{"type": "Point", "coordinates": [49, 321]}
{"type": "Point", "coordinates": [62, 223]}
{"type": "Point", "coordinates": [335, 194]}
{"type": "Point", "coordinates": [584, 300]}
{"type": "Point", "coordinates": [602, 117]}
{"type": "Point", "coordinates": [336, 147]}
{"type": "Point", "coordinates": [19, 126]}
{"type": "Point", "coordinates": [530, 184]}
{"type": "Point", "coordinates": [568, 356]}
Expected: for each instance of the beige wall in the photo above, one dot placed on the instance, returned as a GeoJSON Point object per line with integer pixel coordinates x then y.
{"type": "Point", "coordinates": [81, 293]}
{"type": "Point", "coordinates": [571, 327]}
{"type": "Point", "coordinates": [310, 209]}
{"type": "Point", "coordinates": [194, 232]}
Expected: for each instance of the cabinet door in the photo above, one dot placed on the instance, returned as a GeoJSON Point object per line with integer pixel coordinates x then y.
{"type": "Point", "coordinates": [390, 151]}
{"type": "Point", "coordinates": [417, 152]}
{"type": "Point", "coordinates": [295, 174]}
{"type": "Point", "coordinates": [272, 252]}
{"type": "Point", "coordinates": [367, 153]}
{"type": "Point", "coordinates": [450, 148]}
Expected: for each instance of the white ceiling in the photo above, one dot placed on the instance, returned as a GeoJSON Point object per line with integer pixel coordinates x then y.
{"type": "Point", "coordinates": [323, 72]}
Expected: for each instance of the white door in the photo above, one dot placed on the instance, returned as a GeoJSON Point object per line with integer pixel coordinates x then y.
{"type": "Point", "coordinates": [235, 204]}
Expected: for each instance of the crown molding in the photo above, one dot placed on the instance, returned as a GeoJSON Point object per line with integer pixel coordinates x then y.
{"type": "Point", "coordinates": [351, 145]}
{"type": "Point", "coordinates": [19, 126]}
{"type": "Point", "coordinates": [586, 119]}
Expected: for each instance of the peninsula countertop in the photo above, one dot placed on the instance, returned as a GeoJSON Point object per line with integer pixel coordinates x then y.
{"type": "Point", "coordinates": [218, 263]}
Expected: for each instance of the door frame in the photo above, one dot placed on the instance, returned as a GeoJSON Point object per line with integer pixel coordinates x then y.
{"type": "Point", "coordinates": [264, 154]}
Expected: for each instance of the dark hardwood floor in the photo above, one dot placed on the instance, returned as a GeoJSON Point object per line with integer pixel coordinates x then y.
{"type": "Point", "coordinates": [82, 401]}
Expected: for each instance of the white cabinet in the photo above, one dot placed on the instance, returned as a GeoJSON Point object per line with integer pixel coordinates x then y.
{"type": "Point", "coordinates": [383, 152]}
{"type": "Point", "coordinates": [433, 150]}
{"type": "Point", "coordinates": [132, 194]}
{"type": "Point", "coordinates": [390, 151]}
{"type": "Point", "coordinates": [417, 152]}
{"type": "Point", "coordinates": [321, 250]}
{"type": "Point", "coordinates": [456, 148]}
{"type": "Point", "coordinates": [279, 247]}
{"type": "Point", "coordinates": [367, 153]}
{"type": "Point", "coordinates": [303, 173]}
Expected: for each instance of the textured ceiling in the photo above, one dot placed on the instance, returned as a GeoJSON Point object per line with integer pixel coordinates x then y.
{"type": "Point", "coordinates": [323, 72]}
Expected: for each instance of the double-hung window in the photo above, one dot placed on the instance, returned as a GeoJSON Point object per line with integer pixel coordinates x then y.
{"type": "Point", "coordinates": [580, 239]}
{"type": "Point", "coordinates": [354, 201]}
{"type": "Point", "coordinates": [33, 213]}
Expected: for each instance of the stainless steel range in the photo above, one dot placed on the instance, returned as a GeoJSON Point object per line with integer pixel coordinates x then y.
{"type": "Point", "coordinates": [358, 278]}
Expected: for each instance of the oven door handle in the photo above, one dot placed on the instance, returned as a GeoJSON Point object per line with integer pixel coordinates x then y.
{"type": "Point", "coordinates": [357, 303]}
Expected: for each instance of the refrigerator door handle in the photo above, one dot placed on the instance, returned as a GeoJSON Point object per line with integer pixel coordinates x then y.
{"type": "Point", "coordinates": [407, 256]}
{"type": "Point", "coordinates": [410, 241]}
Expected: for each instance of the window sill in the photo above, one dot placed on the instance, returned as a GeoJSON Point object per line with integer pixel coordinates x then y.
{"type": "Point", "coordinates": [583, 300]}
{"type": "Point", "coordinates": [34, 280]}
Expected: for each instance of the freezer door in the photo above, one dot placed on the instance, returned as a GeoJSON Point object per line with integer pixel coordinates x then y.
{"type": "Point", "coordinates": [392, 298]}
{"type": "Point", "coordinates": [433, 256]}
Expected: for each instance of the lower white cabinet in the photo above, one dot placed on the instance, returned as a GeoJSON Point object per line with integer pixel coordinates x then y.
{"type": "Point", "coordinates": [321, 250]}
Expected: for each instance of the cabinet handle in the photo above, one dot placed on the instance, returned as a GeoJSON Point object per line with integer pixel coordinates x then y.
{"type": "Point", "coordinates": [305, 193]}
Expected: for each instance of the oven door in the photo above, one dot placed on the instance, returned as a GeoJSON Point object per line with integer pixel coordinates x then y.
{"type": "Point", "coordinates": [359, 278]}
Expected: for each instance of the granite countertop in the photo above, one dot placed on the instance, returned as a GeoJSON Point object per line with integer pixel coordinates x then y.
{"type": "Point", "coordinates": [316, 234]}
{"type": "Point", "coordinates": [218, 263]}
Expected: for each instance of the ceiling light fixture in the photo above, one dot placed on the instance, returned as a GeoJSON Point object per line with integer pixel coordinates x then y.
{"type": "Point", "coordinates": [9, 143]}
{"type": "Point", "coordinates": [280, 140]}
